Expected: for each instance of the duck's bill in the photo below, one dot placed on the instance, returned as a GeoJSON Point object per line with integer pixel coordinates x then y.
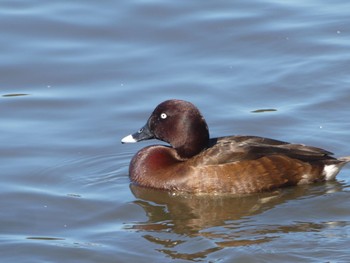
{"type": "Point", "coordinates": [143, 134]}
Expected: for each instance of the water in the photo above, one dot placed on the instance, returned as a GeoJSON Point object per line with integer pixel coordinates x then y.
{"type": "Point", "coordinates": [77, 77]}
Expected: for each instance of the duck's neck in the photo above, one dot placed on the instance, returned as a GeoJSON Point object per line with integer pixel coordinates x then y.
{"type": "Point", "coordinates": [194, 143]}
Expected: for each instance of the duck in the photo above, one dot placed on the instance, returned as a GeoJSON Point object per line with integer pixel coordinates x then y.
{"type": "Point", "coordinates": [192, 162]}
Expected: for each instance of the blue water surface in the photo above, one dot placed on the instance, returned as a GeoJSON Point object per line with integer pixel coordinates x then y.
{"type": "Point", "coordinates": [76, 77]}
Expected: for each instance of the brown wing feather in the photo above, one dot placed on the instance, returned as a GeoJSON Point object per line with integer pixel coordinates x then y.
{"type": "Point", "coordinates": [239, 148]}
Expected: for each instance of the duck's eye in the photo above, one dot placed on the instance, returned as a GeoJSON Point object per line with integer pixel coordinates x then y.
{"type": "Point", "coordinates": [163, 116]}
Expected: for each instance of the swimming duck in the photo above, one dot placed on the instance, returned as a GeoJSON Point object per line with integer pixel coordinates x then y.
{"type": "Point", "coordinates": [194, 163]}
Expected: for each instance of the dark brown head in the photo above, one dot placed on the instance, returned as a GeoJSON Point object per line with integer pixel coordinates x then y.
{"type": "Point", "coordinates": [178, 123]}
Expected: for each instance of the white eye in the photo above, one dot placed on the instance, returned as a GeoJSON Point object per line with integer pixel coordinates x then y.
{"type": "Point", "coordinates": [163, 116]}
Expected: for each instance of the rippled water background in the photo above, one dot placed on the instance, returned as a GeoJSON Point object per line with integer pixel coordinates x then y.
{"type": "Point", "coordinates": [75, 77]}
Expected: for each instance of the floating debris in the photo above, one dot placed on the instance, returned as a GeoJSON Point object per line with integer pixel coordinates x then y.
{"type": "Point", "coordinates": [263, 110]}
{"type": "Point", "coordinates": [74, 195]}
{"type": "Point", "coordinates": [15, 95]}
{"type": "Point", "coordinates": [45, 238]}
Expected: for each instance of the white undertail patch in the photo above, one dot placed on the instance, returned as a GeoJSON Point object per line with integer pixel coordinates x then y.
{"type": "Point", "coordinates": [330, 171]}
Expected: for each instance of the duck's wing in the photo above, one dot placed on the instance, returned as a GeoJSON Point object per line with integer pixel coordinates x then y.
{"type": "Point", "coordinates": [238, 148]}
{"type": "Point", "coordinates": [270, 146]}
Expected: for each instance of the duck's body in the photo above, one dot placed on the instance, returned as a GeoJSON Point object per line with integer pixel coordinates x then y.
{"type": "Point", "coordinates": [233, 164]}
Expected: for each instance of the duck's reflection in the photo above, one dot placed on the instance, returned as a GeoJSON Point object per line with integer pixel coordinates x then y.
{"type": "Point", "coordinates": [224, 221]}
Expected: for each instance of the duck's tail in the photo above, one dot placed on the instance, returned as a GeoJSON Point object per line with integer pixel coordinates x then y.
{"type": "Point", "coordinates": [331, 169]}
{"type": "Point", "coordinates": [345, 159]}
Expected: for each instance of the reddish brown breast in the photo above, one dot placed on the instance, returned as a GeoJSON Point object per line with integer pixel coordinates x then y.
{"type": "Point", "coordinates": [158, 167]}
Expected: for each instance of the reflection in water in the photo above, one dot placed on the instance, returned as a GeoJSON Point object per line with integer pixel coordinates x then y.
{"type": "Point", "coordinates": [175, 222]}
